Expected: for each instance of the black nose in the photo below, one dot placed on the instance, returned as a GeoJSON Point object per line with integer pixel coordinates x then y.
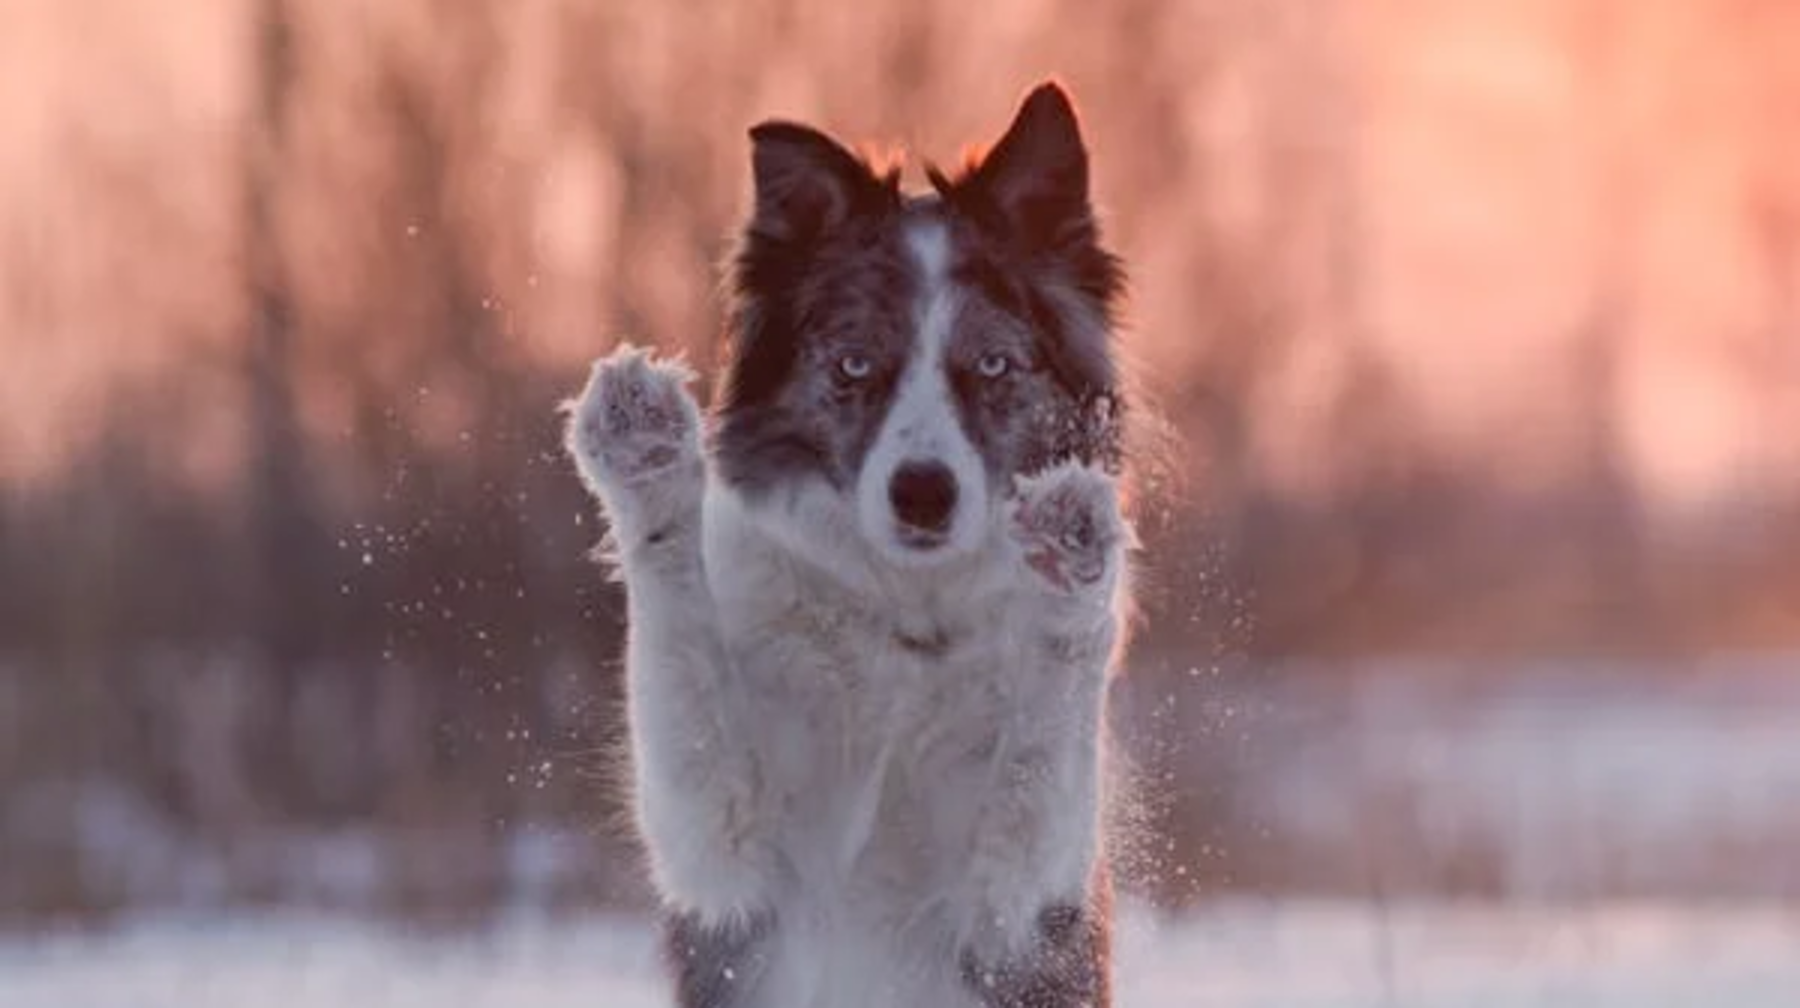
{"type": "Point", "coordinates": [923, 495]}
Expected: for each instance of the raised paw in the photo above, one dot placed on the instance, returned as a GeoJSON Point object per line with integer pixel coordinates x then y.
{"type": "Point", "coordinates": [635, 421]}
{"type": "Point", "coordinates": [1066, 522]}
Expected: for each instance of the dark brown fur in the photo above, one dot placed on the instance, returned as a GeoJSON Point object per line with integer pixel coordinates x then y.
{"type": "Point", "coordinates": [1071, 966]}
{"type": "Point", "coordinates": [823, 266]}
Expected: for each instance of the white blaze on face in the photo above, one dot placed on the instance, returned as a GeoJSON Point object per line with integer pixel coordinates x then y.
{"type": "Point", "coordinates": [922, 425]}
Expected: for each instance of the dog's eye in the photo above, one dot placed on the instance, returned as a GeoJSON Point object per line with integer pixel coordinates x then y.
{"type": "Point", "coordinates": [993, 365]}
{"type": "Point", "coordinates": [855, 366]}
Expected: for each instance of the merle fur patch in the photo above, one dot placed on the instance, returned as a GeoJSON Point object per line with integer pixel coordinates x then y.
{"type": "Point", "coordinates": [823, 271]}
{"type": "Point", "coordinates": [1068, 967]}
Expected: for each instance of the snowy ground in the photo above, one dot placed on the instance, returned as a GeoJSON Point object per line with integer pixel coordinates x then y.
{"type": "Point", "coordinates": [1656, 816]}
{"type": "Point", "coordinates": [1242, 955]}
{"type": "Point", "coordinates": [1567, 780]}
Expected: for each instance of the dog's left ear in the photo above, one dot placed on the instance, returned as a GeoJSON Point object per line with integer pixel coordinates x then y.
{"type": "Point", "coordinates": [807, 185]}
{"type": "Point", "coordinates": [1035, 179]}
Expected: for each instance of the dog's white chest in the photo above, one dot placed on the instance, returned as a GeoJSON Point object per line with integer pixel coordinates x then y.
{"type": "Point", "coordinates": [882, 736]}
{"type": "Point", "coordinates": [880, 741]}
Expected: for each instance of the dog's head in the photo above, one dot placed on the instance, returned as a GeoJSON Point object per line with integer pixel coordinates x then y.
{"type": "Point", "coordinates": [897, 360]}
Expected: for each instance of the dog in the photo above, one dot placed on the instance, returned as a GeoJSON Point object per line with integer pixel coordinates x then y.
{"type": "Point", "coordinates": [875, 595]}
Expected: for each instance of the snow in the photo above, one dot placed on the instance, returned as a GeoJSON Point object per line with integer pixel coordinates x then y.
{"type": "Point", "coordinates": [1638, 830]}
{"type": "Point", "coordinates": [1557, 782]}
{"type": "Point", "coordinates": [1240, 954]}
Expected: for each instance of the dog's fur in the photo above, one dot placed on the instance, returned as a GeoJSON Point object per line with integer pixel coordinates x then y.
{"type": "Point", "coordinates": [870, 623]}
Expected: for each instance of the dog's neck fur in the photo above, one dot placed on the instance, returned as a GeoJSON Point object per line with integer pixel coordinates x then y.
{"type": "Point", "coordinates": [808, 560]}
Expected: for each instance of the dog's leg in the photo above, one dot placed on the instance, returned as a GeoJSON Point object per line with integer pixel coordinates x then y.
{"type": "Point", "coordinates": [1068, 965]}
{"type": "Point", "coordinates": [1041, 935]}
{"type": "Point", "coordinates": [635, 437]}
{"type": "Point", "coordinates": [715, 965]}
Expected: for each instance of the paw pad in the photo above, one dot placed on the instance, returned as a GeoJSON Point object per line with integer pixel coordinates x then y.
{"type": "Point", "coordinates": [635, 420]}
{"type": "Point", "coordinates": [1067, 523]}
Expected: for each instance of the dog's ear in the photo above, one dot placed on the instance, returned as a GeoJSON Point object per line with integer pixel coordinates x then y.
{"type": "Point", "coordinates": [1035, 179]}
{"type": "Point", "coordinates": [807, 185]}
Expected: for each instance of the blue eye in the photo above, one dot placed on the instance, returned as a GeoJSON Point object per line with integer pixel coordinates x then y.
{"type": "Point", "coordinates": [993, 365]}
{"type": "Point", "coordinates": [855, 366]}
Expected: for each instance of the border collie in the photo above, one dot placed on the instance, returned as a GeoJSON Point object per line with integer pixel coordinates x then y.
{"type": "Point", "coordinates": [874, 596]}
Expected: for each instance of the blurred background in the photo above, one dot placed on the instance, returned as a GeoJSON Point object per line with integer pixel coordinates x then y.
{"type": "Point", "coordinates": [1473, 564]}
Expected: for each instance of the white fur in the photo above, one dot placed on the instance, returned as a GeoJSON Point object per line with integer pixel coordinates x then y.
{"type": "Point", "coordinates": [801, 745]}
{"type": "Point", "coordinates": [921, 424]}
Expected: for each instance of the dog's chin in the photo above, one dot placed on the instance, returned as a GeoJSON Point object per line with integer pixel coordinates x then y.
{"type": "Point", "coordinates": [920, 541]}
{"type": "Point", "coordinates": [909, 548]}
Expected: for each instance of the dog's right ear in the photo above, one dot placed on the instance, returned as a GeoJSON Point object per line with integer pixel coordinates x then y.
{"type": "Point", "coordinates": [1035, 179]}
{"type": "Point", "coordinates": [807, 185]}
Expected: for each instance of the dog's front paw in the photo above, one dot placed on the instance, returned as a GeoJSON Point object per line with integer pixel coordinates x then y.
{"type": "Point", "coordinates": [1067, 525]}
{"type": "Point", "coordinates": [635, 423]}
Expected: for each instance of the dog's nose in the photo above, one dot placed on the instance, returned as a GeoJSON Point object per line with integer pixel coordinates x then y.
{"type": "Point", "coordinates": [923, 495]}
